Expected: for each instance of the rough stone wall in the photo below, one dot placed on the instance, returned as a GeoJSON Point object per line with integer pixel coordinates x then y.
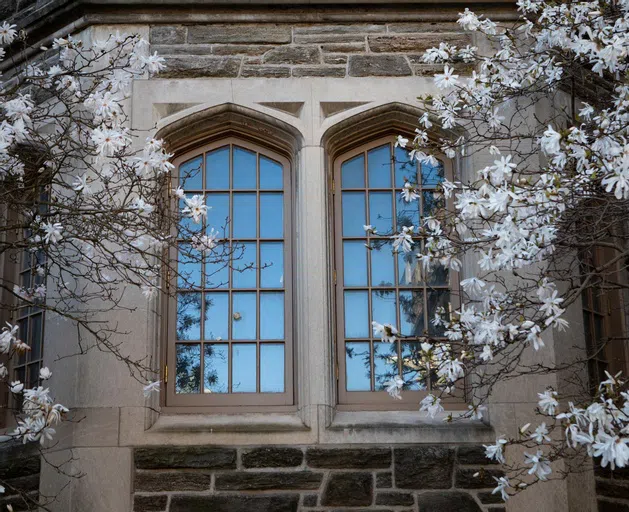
{"type": "Point", "coordinates": [612, 489]}
{"type": "Point", "coordinates": [424, 478]}
{"type": "Point", "coordinates": [19, 474]}
{"type": "Point", "coordinates": [16, 10]}
{"type": "Point", "coordinates": [268, 50]}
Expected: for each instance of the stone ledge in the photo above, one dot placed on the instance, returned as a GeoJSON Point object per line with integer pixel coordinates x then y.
{"type": "Point", "coordinates": [254, 422]}
{"type": "Point", "coordinates": [431, 430]}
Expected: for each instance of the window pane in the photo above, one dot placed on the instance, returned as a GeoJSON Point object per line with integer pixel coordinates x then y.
{"type": "Point", "coordinates": [187, 226]}
{"type": "Point", "coordinates": [244, 371]}
{"type": "Point", "coordinates": [353, 213]}
{"type": "Point", "coordinates": [216, 316]}
{"type": "Point", "coordinates": [272, 315]}
{"type": "Point", "coordinates": [385, 360]}
{"type": "Point", "coordinates": [437, 298]}
{"type": "Point", "coordinates": [431, 205]}
{"type": "Point", "coordinates": [271, 174]}
{"type": "Point", "coordinates": [245, 263]}
{"type": "Point", "coordinates": [379, 167]}
{"type": "Point", "coordinates": [409, 268]}
{"type": "Point", "coordinates": [23, 336]}
{"type": "Point", "coordinates": [432, 175]}
{"type": "Point", "coordinates": [354, 263]}
{"type": "Point", "coordinates": [271, 215]}
{"type": "Point", "coordinates": [437, 275]}
{"type": "Point", "coordinates": [217, 268]}
{"type": "Point", "coordinates": [412, 366]}
{"type": "Point", "coordinates": [191, 174]}
{"type": "Point", "coordinates": [244, 221]}
{"type": "Point", "coordinates": [407, 212]}
{"type": "Point", "coordinates": [272, 368]}
{"type": "Point", "coordinates": [188, 267]}
{"type": "Point", "coordinates": [412, 313]}
{"type": "Point", "coordinates": [26, 279]}
{"type": "Point", "coordinates": [383, 307]}
{"type": "Point", "coordinates": [244, 169]}
{"type": "Point", "coordinates": [356, 314]}
{"type": "Point", "coordinates": [380, 212]}
{"type": "Point", "coordinates": [216, 368]}
{"type": "Point", "coordinates": [244, 316]}
{"type": "Point", "coordinates": [188, 316]}
{"type": "Point", "coordinates": [405, 170]}
{"type": "Point", "coordinates": [217, 169]}
{"type": "Point", "coordinates": [36, 337]}
{"type": "Point", "coordinates": [218, 217]}
{"type": "Point", "coordinates": [272, 265]}
{"type": "Point", "coordinates": [353, 173]}
{"type": "Point", "coordinates": [357, 366]}
{"type": "Point", "coordinates": [26, 255]}
{"type": "Point", "coordinates": [382, 271]}
{"type": "Point", "coordinates": [188, 371]}
{"type": "Point", "coordinates": [33, 375]}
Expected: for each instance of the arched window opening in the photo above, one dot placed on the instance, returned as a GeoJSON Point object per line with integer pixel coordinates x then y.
{"type": "Point", "coordinates": [376, 283]}
{"type": "Point", "coordinates": [230, 326]}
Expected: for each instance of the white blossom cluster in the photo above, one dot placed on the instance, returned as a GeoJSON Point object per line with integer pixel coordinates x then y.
{"type": "Point", "coordinates": [98, 221]}
{"type": "Point", "coordinates": [509, 215]}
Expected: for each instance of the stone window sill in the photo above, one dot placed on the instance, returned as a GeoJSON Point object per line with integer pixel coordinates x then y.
{"type": "Point", "coordinates": [457, 431]}
{"type": "Point", "coordinates": [250, 422]}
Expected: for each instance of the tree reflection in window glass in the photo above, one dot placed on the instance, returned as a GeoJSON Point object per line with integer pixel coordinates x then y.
{"type": "Point", "coordinates": [388, 287]}
{"type": "Point", "coordinates": [219, 304]}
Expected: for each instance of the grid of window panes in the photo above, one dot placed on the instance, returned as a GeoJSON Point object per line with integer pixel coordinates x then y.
{"type": "Point", "coordinates": [30, 322]}
{"type": "Point", "coordinates": [238, 344]}
{"type": "Point", "coordinates": [379, 284]}
{"type": "Point", "coordinates": [600, 314]}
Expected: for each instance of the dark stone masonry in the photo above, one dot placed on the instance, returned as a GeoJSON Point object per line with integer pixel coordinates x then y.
{"type": "Point", "coordinates": [431, 478]}
{"type": "Point", "coordinates": [612, 488]}
{"type": "Point", "coordinates": [20, 467]}
{"type": "Point", "coordinates": [269, 50]}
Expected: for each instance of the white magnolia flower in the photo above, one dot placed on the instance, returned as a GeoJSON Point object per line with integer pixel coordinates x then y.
{"type": "Point", "coordinates": [401, 141]}
{"type": "Point", "coordinates": [431, 405]}
{"type": "Point", "coordinates": [473, 286]}
{"type": "Point", "coordinates": [403, 239]}
{"type": "Point", "coordinates": [16, 387]}
{"type": "Point", "coordinates": [394, 386]}
{"type": "Point", "coordinates": [503, 485]}
{"type": "Point", "coordinates": [151, 387]}
{"type": "Point", "coordinates": [386, 332]}
{"type": "Point", "coordinates": [7, 33]}
{"type": "Point", "coordinates": [53, 232]}
{"type": "Point", "coordinates": [447, 79]}
{"type": "Point", "coordinates": [540, 434]}
{"type": "Point", "coordinates": [409, 193]}
{"type": "Point", "coordinates": [551, 142]}
{"type": "Point", "coordinates": [540, 467]}
{"type": "Point", "coordinates": [496, 451]}
{"type": "Point", "coordinates": [45, 373]}
{"type": "Point", "coordinates": [612, 449]}
{"type": "Point", "coordinates": [547, 401]}
{"type": "Point", "coordinates": [195, 208]}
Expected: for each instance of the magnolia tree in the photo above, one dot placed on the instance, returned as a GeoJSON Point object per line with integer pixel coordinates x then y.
{"type": "Point", "coordinates": [528, 224]}
{"type": "Point", "coordinates": [86, 212]}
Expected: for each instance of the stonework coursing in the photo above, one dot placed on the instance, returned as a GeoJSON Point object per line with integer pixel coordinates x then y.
{"type": "Point", "coordinates": [396, 478]}
{"type": "Point", "coordinates": [267, 50]}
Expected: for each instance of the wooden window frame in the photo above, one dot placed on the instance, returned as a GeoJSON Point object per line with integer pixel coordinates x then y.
{"type": "Point", "coordinates": [603, 352]}
{"type": "Point", "coordinates": [244, 401]}
{"type": "Point", "coordinates": [373, 400]}
{"type": "Point", "coordinates": [16, 269]}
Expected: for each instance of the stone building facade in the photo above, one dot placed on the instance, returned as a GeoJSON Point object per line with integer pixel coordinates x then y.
{"type": "Point", "coordinates": [310, 83]}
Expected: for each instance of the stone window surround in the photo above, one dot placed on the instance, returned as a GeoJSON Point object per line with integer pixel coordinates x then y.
{"type": "Point", "coordinates": [315, 393]}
